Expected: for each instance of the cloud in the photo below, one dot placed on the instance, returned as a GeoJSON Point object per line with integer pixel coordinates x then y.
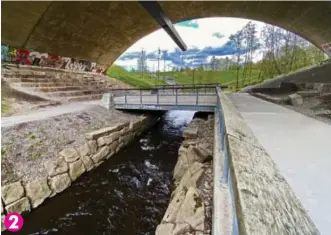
{"type": "Point", "coordinates": [192, 57]}
{"type": "Point", "coordinates": [204, 38]}
{"type": "Point", "coordinates": [218, 35]}
{"type": "Point", "coordinates": [189, 23]}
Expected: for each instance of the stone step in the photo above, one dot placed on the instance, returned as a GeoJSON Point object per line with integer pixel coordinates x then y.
{"type": "Point", "coordinates": [85, 97]}
{"type": "Point", "coordinates": [63, 83]}
{"type": "Point", "coordinates": [308, 93]}
{"type": "Point", "coordinates": [326, 96]}
{"type": "Point", "coordinates": [29, 75]}
{"type": "Point", "coordinates": [33, 80]}
{"type": "Point", "coordinates": [76, 93]}
{"type": "Point", "coordinates": [59, 88]}
{"type": "Point", "coordinates": [50, 79]}
{"type": "Point", "coordinates": [45, 84]}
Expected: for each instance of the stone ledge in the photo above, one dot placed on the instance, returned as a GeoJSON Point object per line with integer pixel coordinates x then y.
{"type": "Point", "coordinates": [20, 206]}
{"type": "Point", "coordinates": [265, 202]}
{"type": "Point", "coordinates": [277, 100]}
{"type": "Point", "coordinates": [94, 135]}
{"type": "Point", "coordinates": [235, 124]}
{"type": "Point", "coordinates": [12, 192]}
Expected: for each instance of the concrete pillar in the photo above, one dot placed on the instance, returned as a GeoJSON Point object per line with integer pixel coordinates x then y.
{"type": "Point", "coordinates": [107, 100]}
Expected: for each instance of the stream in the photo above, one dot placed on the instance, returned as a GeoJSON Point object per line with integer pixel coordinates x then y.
{"type": "Point", "coordinates": [126, 195]}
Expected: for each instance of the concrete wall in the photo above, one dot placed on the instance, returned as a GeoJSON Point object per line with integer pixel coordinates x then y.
{"type": "Point", "coordinates": [72, 162]}
{"type": "Point", "coordinates": [317, 74]}
{"type": "Point", "coordinates": [265, 203]}
{"type": "Point", "coordinates": [102, 31]}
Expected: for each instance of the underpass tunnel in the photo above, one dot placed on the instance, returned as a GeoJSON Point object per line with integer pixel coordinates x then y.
{"type": "Point", "coordinates": [102, 31]}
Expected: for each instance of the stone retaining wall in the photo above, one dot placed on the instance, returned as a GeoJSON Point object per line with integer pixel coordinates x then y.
{"type": "Point", "coordinates": [70, 165]}
{"type": "Point", "coordinates": [265, 202]}
{"type": "Point", "coordinates": [189, 210]}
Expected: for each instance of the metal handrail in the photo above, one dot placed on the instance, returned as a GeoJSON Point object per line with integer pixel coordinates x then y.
{"type": "Point", "coordinates": [226, 179]}
{"type": "Point", "coordinates": [176, 92]}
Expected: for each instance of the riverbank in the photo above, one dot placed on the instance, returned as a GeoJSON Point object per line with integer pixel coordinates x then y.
{"type": "Point", "coordinates": [42, 158]}
{"type": "Point", "coordinates": [190, 207]}
{"type": "Point", "coordinates": [127, 194]}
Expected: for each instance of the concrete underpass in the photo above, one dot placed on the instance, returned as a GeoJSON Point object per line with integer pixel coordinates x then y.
{"type": "Point", "coordinates": [263, 202]}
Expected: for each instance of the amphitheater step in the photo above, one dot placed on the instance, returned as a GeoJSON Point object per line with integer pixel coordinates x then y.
{"type": "Point", "coordinates": [60, 88]}
{"type": "Point", "coordinates": [326, 96]}
{"type": "Point", "coordinates": [33, 80]}
{"type": "Point", "coordinates": [45, 84]}
{"type": "Point", "coordinates": [85, 97]}
{"type": "Point", "coordinates": [75, 93]}
{"type": "Point", "coordinates": [308, 93]}
{"type": "Point", "coordinates": [67, 82]}
{"type": "Point", "coordinates": [30, 75]}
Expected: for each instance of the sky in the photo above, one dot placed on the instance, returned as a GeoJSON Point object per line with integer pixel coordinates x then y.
{"type": "Point", "coordinates": [204, 38]}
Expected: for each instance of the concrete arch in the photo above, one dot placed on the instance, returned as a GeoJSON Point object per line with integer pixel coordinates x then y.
{"type": "Point", "coordinates": [102, 31]}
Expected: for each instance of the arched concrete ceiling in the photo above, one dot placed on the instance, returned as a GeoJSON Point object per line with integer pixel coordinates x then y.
{"type": "Point", "coordinates": [102, 31]}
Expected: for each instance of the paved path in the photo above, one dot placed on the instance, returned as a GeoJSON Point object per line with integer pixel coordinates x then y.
{"type": "Point", "coordinates": [47, 112]}
{"type": "Point", "coordinates": [300, 146]}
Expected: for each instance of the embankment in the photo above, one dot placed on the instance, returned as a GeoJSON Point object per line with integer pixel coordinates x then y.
{"type": "Point", "coordinates": [317, 74]}
{"type": "Point", "coordinates": [42, 158]}
{"type": "Point", "coordinates": [190, 207]}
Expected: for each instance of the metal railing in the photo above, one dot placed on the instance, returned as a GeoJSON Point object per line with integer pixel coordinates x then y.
{"type": "Point", "coordinates": [171, 91]}
{"type": "Point", "coordinates": [226, 179]}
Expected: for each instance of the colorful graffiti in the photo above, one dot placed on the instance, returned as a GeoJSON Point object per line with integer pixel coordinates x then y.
{"type": "Point", "coordinates": [25, 56]}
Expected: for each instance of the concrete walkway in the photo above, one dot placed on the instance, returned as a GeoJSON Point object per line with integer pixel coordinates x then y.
{"type": "Point", "coordinates": [47, 112]}
{"type": "Point", "coordinates": [301, 148]}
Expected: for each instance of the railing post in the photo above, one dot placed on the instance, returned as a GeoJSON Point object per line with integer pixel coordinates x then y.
{"type": "Point", "coordinates": [197, 96]}
{"type": "Point", "coordinates": [157, 96]}
{"type": "Point", "coordinates": [176, 96]}
{"type": "Point", "coordinates": [141, 97]}
{"type": "Point", "coordinates": [125, 96]}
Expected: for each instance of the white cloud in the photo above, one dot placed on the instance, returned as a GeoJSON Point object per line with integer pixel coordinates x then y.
{"type": "Point", "coordinates": [200, 37]}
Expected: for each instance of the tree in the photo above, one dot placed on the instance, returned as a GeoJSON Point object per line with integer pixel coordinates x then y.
{"type": "Point", "coordinates": [237, 41]}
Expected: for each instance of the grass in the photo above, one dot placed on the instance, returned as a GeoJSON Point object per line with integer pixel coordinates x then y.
{"type": "Point", "coordinates": [5, 107]}
{"type": "Point", "coordinates": [224, 77]}
{"type": "Point", "coordinates": [204, 77]}
{"type": "Point", "coordinates": [131, 78]}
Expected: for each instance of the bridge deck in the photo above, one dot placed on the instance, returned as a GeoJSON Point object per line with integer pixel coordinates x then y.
{"type": "Point", "coordinates": [172, 98]}
{"type": "Point", "coordinates": [300, 146]}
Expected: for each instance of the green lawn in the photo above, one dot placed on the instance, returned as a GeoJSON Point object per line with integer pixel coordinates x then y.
{"type": "Point", "coordinates": [133, 79]}
{"type": "Point", "coordinates": [225, 77]}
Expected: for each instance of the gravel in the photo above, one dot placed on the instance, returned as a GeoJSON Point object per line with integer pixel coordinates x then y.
{"type": "Point", "coordinates": [26, 146]}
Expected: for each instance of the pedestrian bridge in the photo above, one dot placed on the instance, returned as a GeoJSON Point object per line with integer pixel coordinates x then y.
{"type": "Point", "coordinates": [173, 97]}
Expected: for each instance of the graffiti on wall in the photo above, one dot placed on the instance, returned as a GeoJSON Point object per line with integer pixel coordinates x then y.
{"type": "Point", "coordinates": [327, 48]}
{"type": "Point", "coordinates": [25, 56]}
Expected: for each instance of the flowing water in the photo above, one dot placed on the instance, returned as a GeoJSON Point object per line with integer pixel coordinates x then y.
{"type": "Point", "coordinates": [127, 195]}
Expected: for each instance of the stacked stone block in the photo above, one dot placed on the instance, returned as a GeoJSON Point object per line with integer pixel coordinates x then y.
{"type": "Point", "coordinates": [70, 164]}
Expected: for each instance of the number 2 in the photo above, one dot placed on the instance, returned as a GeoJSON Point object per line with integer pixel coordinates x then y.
{"type": "Point", "coordinates": [14, 224]}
